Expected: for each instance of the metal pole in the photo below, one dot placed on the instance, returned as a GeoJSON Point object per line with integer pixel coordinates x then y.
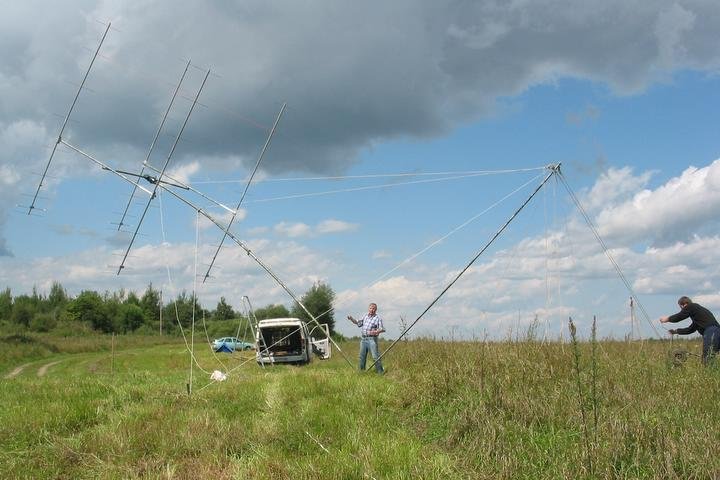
{"type": "Point", "coordinates": [67, 118]}
{"type": "Point", "coordinates": [247, 186]}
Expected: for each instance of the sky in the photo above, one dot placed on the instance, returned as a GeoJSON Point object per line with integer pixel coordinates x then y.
{"type": "Point", "coordinates": [412, 132]}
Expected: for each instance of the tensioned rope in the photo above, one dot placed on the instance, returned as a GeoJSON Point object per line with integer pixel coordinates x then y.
{"type": "Point", "coordinates": [607, 253]}
{"type": "Point", "coordinates": [553, 169]}
{"type": "Point", "coordinates": [375, 175]}
{"type": "Point", "coordinates": [365, 188]}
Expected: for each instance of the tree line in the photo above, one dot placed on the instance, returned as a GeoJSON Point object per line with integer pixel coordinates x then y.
{"type": "Point", "coordinates": [127, 312]}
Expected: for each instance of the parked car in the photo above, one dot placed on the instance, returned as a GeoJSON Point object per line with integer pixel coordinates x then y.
{"type": "Point", "coordinates": [232, 343]}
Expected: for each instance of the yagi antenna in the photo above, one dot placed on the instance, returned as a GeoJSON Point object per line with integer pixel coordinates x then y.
{"type": "Point", "coordinates": [65, 122]}
{"type": "Point", "coordinates": [160, 183]}
{"type": "Point", "coordinates": [152, 145]}
{"type": "Point", "coordinates": [247, 186]}
{"type": "Point", "coordinates": [162, 172]}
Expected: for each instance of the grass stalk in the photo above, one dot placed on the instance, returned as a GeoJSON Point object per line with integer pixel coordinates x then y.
{"type": "Point", "coordinates": [580, 394]}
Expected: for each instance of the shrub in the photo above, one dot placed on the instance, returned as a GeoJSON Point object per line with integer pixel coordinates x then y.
{"type": "Point", "coordinates": [43, 322]}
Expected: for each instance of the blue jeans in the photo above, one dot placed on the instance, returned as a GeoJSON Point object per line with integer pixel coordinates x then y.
{"type": "Point", "coordinates": [711, 343]}
{"type": "Point", "coordinates": [371, 344]}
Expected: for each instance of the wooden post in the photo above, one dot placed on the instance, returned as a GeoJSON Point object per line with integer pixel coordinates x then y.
{"type": "Point", "coordinates": [161, 309]}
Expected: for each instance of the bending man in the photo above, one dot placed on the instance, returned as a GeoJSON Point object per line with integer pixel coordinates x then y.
{"type": "Point", "coordinates": [371, 325]}
{"type": "Point", "coordinates": [703, 322]}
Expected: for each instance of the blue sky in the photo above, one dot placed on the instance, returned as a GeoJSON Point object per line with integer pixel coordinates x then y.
{"type": "Point", "coordinates": [413, 88]}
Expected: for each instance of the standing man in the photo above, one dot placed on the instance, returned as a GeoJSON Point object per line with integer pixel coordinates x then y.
{"type": "Point", "coordinates": [371, 325]}
{"type": "Point", "coordinates": [703, 322]}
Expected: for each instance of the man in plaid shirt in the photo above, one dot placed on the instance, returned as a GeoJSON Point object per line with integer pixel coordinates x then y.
{"type": "Point", "coordinates": [371, 325]}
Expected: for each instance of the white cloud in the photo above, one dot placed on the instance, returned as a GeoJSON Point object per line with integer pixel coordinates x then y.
{"type": "Point", "coordinates": [614, 186]}
{"type": "Point", "coordinates": [675, 210]}
{"type": "Point", "coordinates": [335, 226]}
{"type": "Point", "coordinates": [184, 172]}
{"type": "Point", "coordinates": [258, 230]}
{"type": "Point", "coordinates": [292, 230]}
{"type": "Point", "coordinates": [299, 229]}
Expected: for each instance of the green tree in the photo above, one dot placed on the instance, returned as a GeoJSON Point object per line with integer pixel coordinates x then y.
{"type": "Point", "coordinates": [150, 304]}
{"type": "Point", "coordinates": [132, 299]}
{"type": "Point", "coordinates": [6, 304]}
{"type": "Point", "coordinates": [88, 307]}
{"type": "Point", "coordinates": [223, 311]}
{"type": "Point", "coordinates": [58, 297]}
{"type": "Point", "coordinates": [272, 311]}
{"type": "Point", "coordinates": [132, 317]}
{"type": "Point", "coordinates": [318, 300]}
{"type": "Point", "coordinates": [113, 308]}
{"type": "Point", "coordinates": [23, 311]}
{"type": "Point", "coordinates": [43, 322]}
{"type": "Point", "coordinates": [182, 309]}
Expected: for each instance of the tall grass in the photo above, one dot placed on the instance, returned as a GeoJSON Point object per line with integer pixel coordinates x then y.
{"type": "Point", "coordinates": [471, 410]}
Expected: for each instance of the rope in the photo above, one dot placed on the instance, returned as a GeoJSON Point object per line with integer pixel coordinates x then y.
{"type": "Point", "coordinates": [367, 187]}
{"type": "Point", "coordinates": [553, 169]}
{"type": "Point", "coordinates": [172, 288]}
{"type": "Point", "coordinates": [376, 175]}
{"type": "Point", "coordinates": [606, 250]}
{"type": "Point", "coordinates": [453, 231]}
{"type": "Point", "coordinates": [192, 325]}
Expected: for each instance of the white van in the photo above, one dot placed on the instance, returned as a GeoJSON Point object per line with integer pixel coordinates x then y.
{"type": "Point", "coordinates": [288, 340]}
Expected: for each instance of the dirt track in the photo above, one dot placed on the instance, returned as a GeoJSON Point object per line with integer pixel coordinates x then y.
{"type": "Point", "coordinates": [44, 369]}
{"type": "Point", "coordinates": [16, 372]}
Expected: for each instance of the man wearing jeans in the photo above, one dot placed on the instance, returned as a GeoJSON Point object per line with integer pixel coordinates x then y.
{"type": "Point", "coordinates": [371, 325]}
{"type": "Point", "coordinates": [703, 322]}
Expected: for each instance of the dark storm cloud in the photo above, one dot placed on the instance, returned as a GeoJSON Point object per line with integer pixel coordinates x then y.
{"type": "Point", "coordinates": [353, 73]}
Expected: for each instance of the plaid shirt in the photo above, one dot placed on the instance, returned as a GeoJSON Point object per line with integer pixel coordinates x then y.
{"type": "Point", "coordinates": [370, 322]}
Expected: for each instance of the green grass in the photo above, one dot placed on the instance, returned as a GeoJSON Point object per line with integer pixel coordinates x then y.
{"type": "Point", "coordinates": [461, 410]}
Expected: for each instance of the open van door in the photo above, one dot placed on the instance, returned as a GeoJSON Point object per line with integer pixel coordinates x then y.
{"type": "Point", "coordinates": [321, 347]}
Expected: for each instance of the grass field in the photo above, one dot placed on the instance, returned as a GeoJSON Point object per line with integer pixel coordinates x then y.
{"type": "Point", "coordinates": [70, 408]}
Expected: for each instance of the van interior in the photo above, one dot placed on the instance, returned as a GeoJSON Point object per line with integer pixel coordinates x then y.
{"type": "Point", "coordinates": [282, 340]}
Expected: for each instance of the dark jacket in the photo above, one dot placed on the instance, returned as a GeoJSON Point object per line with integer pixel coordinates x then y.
{"type": "Point", "coordinates": [701, 317]}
